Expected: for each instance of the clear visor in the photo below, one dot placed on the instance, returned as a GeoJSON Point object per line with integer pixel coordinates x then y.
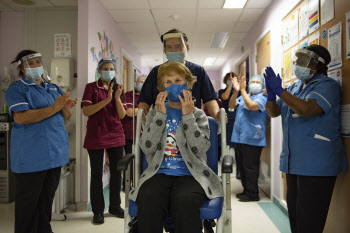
{"type": "Point", "coordinates": [31, 61]}
{"type": "Point", "coordinates": [174, 47]}
{"type": "Point", "coordinates": [303, 57]}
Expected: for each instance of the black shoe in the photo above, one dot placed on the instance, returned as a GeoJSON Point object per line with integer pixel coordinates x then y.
{"type": "Point", "coordinates": [119, 212]}
{"type": "Point", "coordinates": [98, 218]}
{"type": "Point", "coordinates": [238, 175]}
{"type": "Point", "coordinates": [245, 198]}
{"type": "Point", "coordinates": [240, 194]}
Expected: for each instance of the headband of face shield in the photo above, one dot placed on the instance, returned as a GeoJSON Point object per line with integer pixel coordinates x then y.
{"type": "Point", "coordinates": [301, 62]}
{"type": "Point", "coordinates": [180, 49]}
{"type": "Point", "coordinates": [34, 65]}
{"type": "Point", "coordinates": [107, 75]}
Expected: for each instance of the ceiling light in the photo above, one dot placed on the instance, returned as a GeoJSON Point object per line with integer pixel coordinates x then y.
{"type": "Point", "coordinates": [234, 3]}
{"type": "Point", "coordinates": [209, 61]}
{"type": "Point", "coordinates": [219, 40]}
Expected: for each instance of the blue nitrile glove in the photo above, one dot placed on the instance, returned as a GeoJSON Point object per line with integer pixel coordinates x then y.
{"type": "Point", "coordinates": [271, 96]}
{"type": "Point", "coordinates": [273, 81]}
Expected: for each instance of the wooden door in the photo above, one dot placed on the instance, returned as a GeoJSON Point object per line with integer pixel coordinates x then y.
{"type": "Point", "coordinates": [125, 73]}
{"type": "Point", "coordinates": [263, 60]}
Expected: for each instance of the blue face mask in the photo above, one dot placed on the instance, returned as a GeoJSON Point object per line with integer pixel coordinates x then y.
{"type": "Point", "coordinates": [228, 83]}
{"type": "Point", "coordinates": [108, 75]}
{"type": "Point", "coordinates": [175, 56]}
{"type": "Point", "coordinates": [302, 73]}
{"type": "Point", "coordinates": [139, 87]}
{"type": "Point", "coordinates": [35, 73]}
{"type": "Point", "coordinates": [174, 90]}
{"type": "Point", "coordinates": [255, 88]}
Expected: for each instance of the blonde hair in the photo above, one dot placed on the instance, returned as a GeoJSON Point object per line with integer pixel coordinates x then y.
{"type": "Point", "coordinates": [175, 67]}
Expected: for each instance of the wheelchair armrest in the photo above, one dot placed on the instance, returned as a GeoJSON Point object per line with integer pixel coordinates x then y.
{"type": "Point", "coordinates": [226, 165]}
{"type": "Point", "coordinates": [124, 162]}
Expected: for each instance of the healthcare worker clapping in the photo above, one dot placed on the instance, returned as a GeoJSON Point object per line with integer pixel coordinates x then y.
{"type": "Point", "coordinates": [313, 153]}
{"type": "Point", "coordinates": [103, 105]}
{"type": "Point", "coordinates": [39, 142]}
{"type": "Point", "coordinates": [249, 132]}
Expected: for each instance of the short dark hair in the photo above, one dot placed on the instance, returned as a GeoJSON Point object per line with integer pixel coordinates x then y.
{"type": "Point", "coordinates": [18, 58]}
{"type": "Point", "coordinates": [322, 52]}
{"type": "Point", "coordinates": [174, 31]}
{"type": "Point", "coordinates": [227, 76]}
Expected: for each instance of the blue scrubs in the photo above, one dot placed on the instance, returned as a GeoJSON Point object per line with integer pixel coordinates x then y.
{"type": "Point", "coordinates": [42, 145]}
{"type": "Point", "coordinates": [312, 146]}
{"type": "Point", "coordinates": [202, 88]}
{"type": "Point", "coordinates": [249, 127]}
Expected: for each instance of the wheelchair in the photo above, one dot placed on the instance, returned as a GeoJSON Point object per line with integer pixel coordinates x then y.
{"type": "Point", "coordinates": [213, 209]}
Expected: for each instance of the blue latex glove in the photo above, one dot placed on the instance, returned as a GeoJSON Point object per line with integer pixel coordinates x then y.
{"type": "Point", "coordinates": [274, 82]}
{"type": "Point", "coordinates": [271, 96]}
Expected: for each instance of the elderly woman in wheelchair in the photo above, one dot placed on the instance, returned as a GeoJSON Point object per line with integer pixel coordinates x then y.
{"type": "Point", "coordinates": [175, 140]}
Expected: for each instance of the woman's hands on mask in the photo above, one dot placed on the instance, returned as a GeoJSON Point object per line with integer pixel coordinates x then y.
{"type": "Point", "coordinates": [160, 101]}
{"type": "Point", "coordinates": [187, 103]}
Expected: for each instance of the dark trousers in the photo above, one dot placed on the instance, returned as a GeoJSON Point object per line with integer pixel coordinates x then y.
{"type": "Point", "coordinates": [248, 163]}
{"type": "Point", "coordinates": [181, 196]}
{"type": "Point", "coordinates": [96, 186]}
{"type": "Point", "coordinates": [35, 192]}
{"type": "Point", "coordinates": [308, 199]}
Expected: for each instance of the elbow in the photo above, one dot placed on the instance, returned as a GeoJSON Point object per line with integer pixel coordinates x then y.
{"type": "Point", "coordinates": [224, 97]}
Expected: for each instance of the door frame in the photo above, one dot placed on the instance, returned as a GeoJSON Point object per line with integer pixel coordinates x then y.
{"type": "Point", "coordinates": [272, 159]}
{"type": "Point", "coordinates": [130, 75]}
{"type": "Point", "coordinates": [242, 58]}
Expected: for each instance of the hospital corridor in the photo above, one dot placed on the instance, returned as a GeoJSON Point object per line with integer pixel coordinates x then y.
{"type": "Point", "coordinates": [179, 116]}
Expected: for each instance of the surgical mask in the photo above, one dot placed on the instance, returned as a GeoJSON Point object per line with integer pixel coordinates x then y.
{"type": "Point", "coordinates": [302, 73]}
{"type": "Point", "coordinates": [228, 83]}
{"type": "Point", "coordinates": [139, 87]}
{"type": "Point", "coordinates": [255, 88]}
{"type": "Point", "coordinates": [174, 90]}
{"type": "Point", "coordinates": [108, 75]}
{"type": "Point", "coordinates": [35, 73]}
{"type": "Point", "coordinates": [175, 56]}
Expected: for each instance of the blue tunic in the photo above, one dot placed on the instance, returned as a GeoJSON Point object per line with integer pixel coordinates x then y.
{"type": "Point", "coordinates": [250, 126]}
{"type": "Point", "coordinates": [312, 146]}
{"type": "Point", "coordinates": [42, 145]}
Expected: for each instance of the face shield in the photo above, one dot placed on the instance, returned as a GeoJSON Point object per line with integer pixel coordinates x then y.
{"type": "Point", "coordinates": [301, 62]}
{"type": "Point", "coordinates": [175, 50]}
{"type": "Point", "coordinates": [34, 67]}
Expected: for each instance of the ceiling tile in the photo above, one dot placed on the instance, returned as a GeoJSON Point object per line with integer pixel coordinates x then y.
{"type": "Point", "coordinates": [131, 16]}
{"type": "Point", "coordinates": [184, 27]}
{"type": "Point", "coordinates": [122, 4]}
{"type": "Point", "coordinates": [237, 36]}
{"type": "Point", "coordinates": [37, 3]}
{"type": "Point", "coordinates": [219, 15]}
{"type": "Point", "coordinates": [138, 27]}
{"type": "Point", "coordinates": [243, 27]}
{"type": "Point", "coordinates": [251, 15]}
{"type": "Point", "coordinates": [65, 2]}
{"type": "Point", "coordinates": [233, 44]}
{"type": "Point", "coordinates": [215, 4]}
{"type": "Point", "coordinates": [257, 3]}
{"type": "Point", "coordinates": [174, 15]}
{"type": "Point", "coordinates": [4, 7]}
{"type": "Point", "coordinates": [214, 27]}
{"type": "Point", "coordinates": [171, 4]}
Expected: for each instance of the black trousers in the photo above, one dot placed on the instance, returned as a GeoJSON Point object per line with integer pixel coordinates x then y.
{"type": "Point", "coordinates": [182, 196]}
{"type": "Point", "coordinates": [35, 192]}
{"type": "Point", "coordinates": [248, 164]}
{"type": "Point", "coordinates": [308, 200]}
{"type": "Point", "coordinates": [96, 186]}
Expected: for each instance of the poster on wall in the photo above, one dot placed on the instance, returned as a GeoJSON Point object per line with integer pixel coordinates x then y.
{"type": "Point", "coordinates": [304, 43]}
{"type": "Point", "coordinates": [347, 18]}
{"type": "Point", "coordinates": [62, 45]}
{"type": "Point", "coordinates": [314, 38]}
{"type": "Point", "coordinates": [334, 46]}
{"type": "Point", "coordinates": [327, 11]}
{"type": "Point", "coordinates": [336, 75]}
{"type": "Point", "coordinates": [303, 21]}
{"type": "Point", "coordinates": [286, 67]}
{"type": "Point", "coordinates": [290, 31]}
{"type": "Point", "coordinates": [314, 22]}
{"type": "Point", "coordinates": [292, 54]}
{"type": "Point", "coordinates": [345, 120]}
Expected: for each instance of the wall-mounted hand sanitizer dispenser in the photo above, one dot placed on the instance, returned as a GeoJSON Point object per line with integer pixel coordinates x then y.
{"type": "Point", "coordinates": [62, 70]}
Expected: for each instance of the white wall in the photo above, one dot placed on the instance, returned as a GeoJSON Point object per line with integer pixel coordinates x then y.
{"type": "Point", "coordinates": [269, 21]}
{"type": "Point", "coordinates": [11, 43]}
